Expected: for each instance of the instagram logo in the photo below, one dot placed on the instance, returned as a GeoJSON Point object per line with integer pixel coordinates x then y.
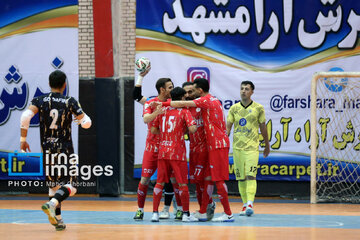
{"type": "Point", "coordinates": [198, 72]}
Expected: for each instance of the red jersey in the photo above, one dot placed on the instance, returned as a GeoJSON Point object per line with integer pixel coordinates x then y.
{"type": "Point", "coordinates": [197, 139]}
{"type": "Point", "coordinates": [173, 125]}
{"type": "Point", "coordinates": [152, 140]}
{"type": "Point", "coordinates": [214, 122]}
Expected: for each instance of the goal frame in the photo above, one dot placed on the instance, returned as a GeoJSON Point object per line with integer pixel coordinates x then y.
{"type": "Point", "coordinates": [313, 123]}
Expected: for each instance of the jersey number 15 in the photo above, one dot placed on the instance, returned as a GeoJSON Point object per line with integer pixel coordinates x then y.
{"type": "Point", "coordinates": [170, 123]}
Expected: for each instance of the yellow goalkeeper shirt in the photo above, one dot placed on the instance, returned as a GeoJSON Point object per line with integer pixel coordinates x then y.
{"type": "Point", "coordinates": [246, 122]}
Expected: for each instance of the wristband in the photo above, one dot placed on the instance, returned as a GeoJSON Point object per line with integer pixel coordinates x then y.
{"type": "Point", "coordinates": [139, 80]}
{"type": "Point", "coordinates": [22, 139]}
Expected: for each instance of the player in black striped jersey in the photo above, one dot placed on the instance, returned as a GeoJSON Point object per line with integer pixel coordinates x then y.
{"type": "Point", "coordinates": [56, 113]}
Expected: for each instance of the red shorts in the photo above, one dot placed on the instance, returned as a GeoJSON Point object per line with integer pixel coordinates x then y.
{"type": "Point", "coordinates": [199, 166]}
{"type": "Point", "coordinates": [149, 164]}
{"type": "Point", "coordinates": [219, 164]}
{"type": "Point", "coordinates": [167, 168]}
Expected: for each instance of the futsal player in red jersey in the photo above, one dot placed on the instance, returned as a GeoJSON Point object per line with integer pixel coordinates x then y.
{"type": "Point", "coordinates": [171, 127]}
{"type": "Point", "coordinates": [198, 156]}
{"type": "Point", "coordinates": [150, 157]}
{"type": "Point", "coordinates": [218, 147]}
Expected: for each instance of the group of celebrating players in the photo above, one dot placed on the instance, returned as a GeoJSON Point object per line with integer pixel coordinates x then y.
{"type": "Point", "coordinates": [192, 110]}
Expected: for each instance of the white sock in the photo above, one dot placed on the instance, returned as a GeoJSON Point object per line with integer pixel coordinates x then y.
{"type": "Point", "coordinates": [250, 203]}
{"type": "Point", "coordinates": [166, 208]}
{"type": "Point", "coordinates": [141, 209]}
{"type": "Point", "coordinates": [58, 217]}
{"type": "Point", "coordinates": [179, 208]}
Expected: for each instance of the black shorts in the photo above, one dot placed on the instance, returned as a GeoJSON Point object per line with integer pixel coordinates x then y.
{"type": "Point", "coordinates": [58, 167]}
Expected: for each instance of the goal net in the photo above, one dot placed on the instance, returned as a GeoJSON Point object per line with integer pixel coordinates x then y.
{"type": "Point", "coordinates": [335, 141]}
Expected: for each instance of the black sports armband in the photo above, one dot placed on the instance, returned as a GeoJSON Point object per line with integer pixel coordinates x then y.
{"type": "Point", "coordinates": [137, 94]}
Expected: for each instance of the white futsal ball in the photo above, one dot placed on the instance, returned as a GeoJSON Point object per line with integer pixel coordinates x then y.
{"type": "Point", "coordinates": [142, 64]}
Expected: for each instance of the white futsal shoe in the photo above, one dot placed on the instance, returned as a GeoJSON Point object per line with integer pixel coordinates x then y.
{"type": "Point", "coordinates": [224, 218]}
{"type": "Point", "coordinates": [164, 214]}
{"type": "Point", "coordinates": [155, 217]}
{"type": "Point", "coordinates": [190, 218]}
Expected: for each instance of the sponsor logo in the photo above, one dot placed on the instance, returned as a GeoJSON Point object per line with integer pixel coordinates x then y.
{"type": "Point", "coordinates": [242, 122]}
{"type": "Point", "coordinates": [198, 72]}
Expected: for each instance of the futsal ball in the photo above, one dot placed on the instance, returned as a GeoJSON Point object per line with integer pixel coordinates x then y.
{"type": "Point", "coordinates": [142, 64]}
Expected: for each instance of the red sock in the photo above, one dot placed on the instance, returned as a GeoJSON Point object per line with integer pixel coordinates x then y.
{"type": "Point", "coordinates": [141, 194]}
{"type": "Point", "coordinates": [157, 196]}
{"type": "Point", "coordinates": [184, 195]}
{"type": "Point", "coordinates": [208, 191]}
{"type": "Point", "coordinates": [199, 191]}
{"type": "Point", "coordinates": [176, 193]}
{"type": "Point", "coordinates": [223, 196]}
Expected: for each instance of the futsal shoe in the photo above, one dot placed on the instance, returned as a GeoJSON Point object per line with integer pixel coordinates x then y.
{"type": "Point", "coordinates": [190, 218]}
{"type": "Point", "coordinates": [60, 225]}
{"type": "Point", "coordinates": [243, 211]}
{"type": "Point", "coordinates": [164, 214]}
{"type": "Point", "coordinates": [210, 210]}
{"type": "Point", "coordinates": [179, 215]}
{"type": "Point", "coordinates": [249, 210]}
{"type": "Point", "coordinates": [49, 210]}
{"type": "Point", "coordinates": [155, 217]}
{"type": "Point", "coordinates": [224, 218]}
{"type": "Point", "coordinates": [201, 216]}
{"type": "Point", "coordinates": [139, 215]}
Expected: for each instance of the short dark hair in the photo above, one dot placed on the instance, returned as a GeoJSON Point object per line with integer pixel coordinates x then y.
{"type": "Point", "coordinates": [248, 82]}
{"type": "Point", "coordinates": [202, 83]}
{"type": "Point", "coordinates": [187, 84]}
{"type": "Point", "coordinates": [161, 83]}
{"type": "Point", "coordinates": [177, 93]}
{"type": "Point", "coordinates": [57, 79]}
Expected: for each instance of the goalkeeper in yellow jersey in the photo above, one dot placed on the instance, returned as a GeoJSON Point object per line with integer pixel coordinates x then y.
{"type": "Point", "coordinates": [247, 117]}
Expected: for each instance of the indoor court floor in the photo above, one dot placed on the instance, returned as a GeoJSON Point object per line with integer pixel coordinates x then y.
{"type": "Point", "coordinates": [91, 217]}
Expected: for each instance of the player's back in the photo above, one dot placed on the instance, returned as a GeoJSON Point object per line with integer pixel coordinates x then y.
{"type": "Point", "coordinates": [214, 122]}
{"type": "Point", "coordinates": [172, 125]}
{"type": "Point", "coordinates": [55, 115]}
{"type": "Point", "coordinates": [197, 139]}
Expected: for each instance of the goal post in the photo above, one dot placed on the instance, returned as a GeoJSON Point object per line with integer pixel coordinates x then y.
{"type": "Point", "coordinates": [335, 137]}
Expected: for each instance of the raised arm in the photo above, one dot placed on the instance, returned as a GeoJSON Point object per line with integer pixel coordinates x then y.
{"type": "Point", "coordinates": [137, 89]}
{"type": "Point", "coordinates": [264, 133]}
